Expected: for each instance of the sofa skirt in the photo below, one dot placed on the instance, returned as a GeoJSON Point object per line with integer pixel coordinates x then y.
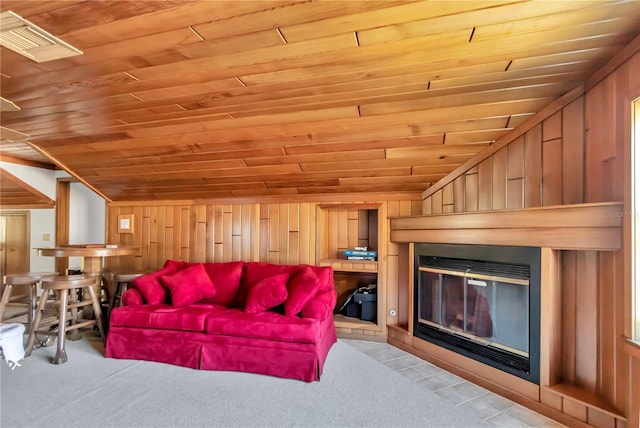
{"type": "Point", "coordinates": [302, 361]}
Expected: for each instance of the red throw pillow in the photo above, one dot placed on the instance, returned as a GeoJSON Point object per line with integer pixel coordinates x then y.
{"type": "Point", "coordinates": [189, 285]}
{"type": "Point", "coordinates": [150, 287]}
{"type": "Point", "coordinates": [254, 272]}
{"type": "Point", "coordinates": [302, 288]}
{"type": "Point", "coordinates": [267, 293]}
{"type": "Point", "coordinates": [132, 297]}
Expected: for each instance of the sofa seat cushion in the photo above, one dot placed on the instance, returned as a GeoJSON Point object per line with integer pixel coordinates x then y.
{"type": "Point", "coordinates": [264, 325]}
{"type": "Point", "coordinates": [164, 316]}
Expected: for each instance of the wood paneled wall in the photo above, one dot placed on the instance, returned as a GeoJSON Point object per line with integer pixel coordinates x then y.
{"type": "Point", "coordinates": [282, 233]}
{"type": "Point", "coordinates": [576, 154]}
{"type": "Point", "coordinates": [187, 232]}
{"type": "Point", "coordinates": [541, 167]}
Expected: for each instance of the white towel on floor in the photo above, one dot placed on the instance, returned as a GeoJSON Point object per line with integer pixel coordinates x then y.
{"type": "Point", "coordinates": [12, 343]}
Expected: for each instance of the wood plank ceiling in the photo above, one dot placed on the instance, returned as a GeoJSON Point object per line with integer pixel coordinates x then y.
{"type": "Point", "coordinates": [207, 99]}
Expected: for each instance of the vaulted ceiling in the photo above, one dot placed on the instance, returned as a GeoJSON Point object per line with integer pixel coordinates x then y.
{"type": "Point", "coordinates": [207, 99]}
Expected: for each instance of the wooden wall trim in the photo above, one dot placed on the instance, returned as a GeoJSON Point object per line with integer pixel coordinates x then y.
{"type": "Point", "coordinates": [67, 169]}
{"type": "Point", "coordinates": [547, 111]}
{"type": "Point", "coordinates": [346, 197]}
{"type": "Point", "coordinates": [27, 162]}
{"type": "Point", "coordinates": [632, 348]}
{"type": "Point", "coordinates": [620, 58]}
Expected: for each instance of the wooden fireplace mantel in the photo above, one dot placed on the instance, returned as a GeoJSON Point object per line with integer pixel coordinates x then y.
{"type": "Point", "coordinates": [595, 226]}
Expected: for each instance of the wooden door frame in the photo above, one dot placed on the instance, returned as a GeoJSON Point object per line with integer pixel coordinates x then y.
{"type": "Point", "coordinates": [63, 198]}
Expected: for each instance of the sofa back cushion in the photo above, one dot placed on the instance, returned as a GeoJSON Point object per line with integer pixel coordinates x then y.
{"type": "Point", "coordinates": [255, 271]}
{"type": "Point", "coordinates": [188, 285]}
{"type": "Point", "coordinates": [149, 285]}
{"type": "Point", "coordinates": [226, 278]}
{"type": "Point", "coordinates": [325, 276]}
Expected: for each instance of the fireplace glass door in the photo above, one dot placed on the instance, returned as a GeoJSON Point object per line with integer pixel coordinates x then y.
{"type": "Point", "coordinates": [489, 310]}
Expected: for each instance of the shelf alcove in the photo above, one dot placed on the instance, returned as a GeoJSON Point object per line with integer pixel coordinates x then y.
{"type": "Point", "coordinates": [582, 231]}
{"type": "Point", "coordinates": [344, 226]}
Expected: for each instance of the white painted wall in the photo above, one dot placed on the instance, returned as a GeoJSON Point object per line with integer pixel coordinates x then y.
{"type": "Point", "coordinates": [86, 219]}
{"type": "Point", "coordinates": [86, 216]}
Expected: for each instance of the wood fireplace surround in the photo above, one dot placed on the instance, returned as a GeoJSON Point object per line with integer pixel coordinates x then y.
{"type": "Point", "coordinates": [581, 227]}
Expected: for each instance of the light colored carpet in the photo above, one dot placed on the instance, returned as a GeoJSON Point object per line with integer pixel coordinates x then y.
{"type": "Point", "coordinates": [93, 391]}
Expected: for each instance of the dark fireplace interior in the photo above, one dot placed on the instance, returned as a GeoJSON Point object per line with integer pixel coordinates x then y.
{"type": "Point", "coordinates": [482, 301]}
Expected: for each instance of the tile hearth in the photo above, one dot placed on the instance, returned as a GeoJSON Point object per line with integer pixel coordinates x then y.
{"type": "Point", "coordinates": [490, 407]}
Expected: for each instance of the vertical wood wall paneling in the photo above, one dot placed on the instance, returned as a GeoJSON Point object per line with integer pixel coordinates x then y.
{"type": "Point", "coordinates": [153, 248]}
{"type": "Point", "coordinates": [607, 334]}
{"type": "Point", "coordinates": [552, 172]}
{"type": "Point", "coordinates": [283, 232]}
{"type": "Point", "coordinates": [227, 238]}
{"type": "Point", "coordinates": [587, 313]}
{"type": "Point", "coordinates": [550, 317]}
{"type": "Point", "coordinates": [552, 127]}
{"type": "Point", "coordinates": [600, 146]}
{"type": "Point", "coordinates": [379, 225]}
{"type": "Point", "coordinates": [515, 173]}
{"type": "Point", "coordinates": [200, 232]}
{"type": "Point", "coordinates": [573, 152]}
{"type": "Point", "coordinates": [274, 229]}
{"type": "Point", "coordinates": [169, 233]}
{"type": "Point", "coordinates": [622, 127]}
{"type": "Point", "coordinates": [263, 245]}
{"type": "Point", "coordinates": [447, 198]}
{"type": "Point", "coordinates": [459, 194]}
{"type": "Point", "coordinates": [294, 234]}
{"type": "Point", "coordinates": [307, 233]}
{"type": "Point", "coordinates": [533, 167]}
{"type": "Point", "coordinates": [569, 285]}
{"type": "Point", "coordinates": [499, 179]}
{"type": "Point", "coordinates": [395, 275]}
{"type": "Point", "coordinates": [145, 248]}
{"type": "Point", "coordinates": [236, 232]}
{"type": "Point", "coordinates": [215, 223]}
{"type": "Point", "coordinates": [485, 180]}
{"type": "Point", "coordinates": [436, 202]}
{"type": "Point", "coordinates": [471, 189]}
{"type": "Point", "coordinates": [426, 206]}
{"type": "Point", "coordinates": [343, 231]}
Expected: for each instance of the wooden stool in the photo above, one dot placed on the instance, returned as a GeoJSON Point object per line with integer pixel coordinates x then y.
{"type": "Point", "coordinates": [121, 284]}
{"type": "Point", "coordinates": [62, 285]}
{"type": "Point", "coordinates": [30, 279]}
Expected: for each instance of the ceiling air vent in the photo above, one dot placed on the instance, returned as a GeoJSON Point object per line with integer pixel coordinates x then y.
{"type": "Point", "coordinates": [27, 39]}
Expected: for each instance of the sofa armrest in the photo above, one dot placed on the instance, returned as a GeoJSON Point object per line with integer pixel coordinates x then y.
{"type": "Point", "coordinates": [132, 297]}
{"type": "Point", "coordinates": [321, 306]}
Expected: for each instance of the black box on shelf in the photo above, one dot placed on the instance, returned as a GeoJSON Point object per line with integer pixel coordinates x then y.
{"type": "Point", "coordinates": [362, 306]}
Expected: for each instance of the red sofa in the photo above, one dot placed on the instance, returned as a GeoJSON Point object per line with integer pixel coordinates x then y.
{"type": "Point", "coordinates": [251, 317]}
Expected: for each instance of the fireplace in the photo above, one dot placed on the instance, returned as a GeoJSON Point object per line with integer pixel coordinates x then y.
{"type": "Point", "coordinates": [481, 301]}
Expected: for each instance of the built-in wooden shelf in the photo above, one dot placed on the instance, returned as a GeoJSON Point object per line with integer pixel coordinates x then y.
{"type": "Point", "coordinates": [585, 398]}
{"type": "Point", "coordinates": [350, 265]}
{"type": "Point", "coordinates": [350, 322]}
